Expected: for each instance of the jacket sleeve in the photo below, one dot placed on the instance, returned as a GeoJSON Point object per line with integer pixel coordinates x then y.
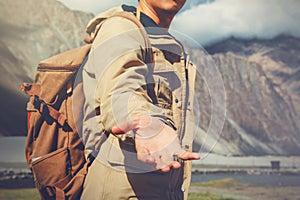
{"type": "Point", "coordinates": [123, 78]}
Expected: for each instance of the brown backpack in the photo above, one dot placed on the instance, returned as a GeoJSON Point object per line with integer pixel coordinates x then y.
{"type": "Point", "coordinates": [54, 149]}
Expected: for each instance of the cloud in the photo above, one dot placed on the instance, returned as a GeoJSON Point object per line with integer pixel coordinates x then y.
{"type": "Point", "coordinates": [209, 21]}
{"type": "Point", "coordinates": [265, 19]}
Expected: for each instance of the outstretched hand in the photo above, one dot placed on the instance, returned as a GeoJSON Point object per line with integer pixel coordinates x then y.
{"type": "Point", "coordinates": [156, 143]}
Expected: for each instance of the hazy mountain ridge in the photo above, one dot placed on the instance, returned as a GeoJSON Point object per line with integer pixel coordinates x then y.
{"type": "Point", "coordinates": [262, 86]}
{"type": "Point", "coordinates": [31, 31]}
{"type": "Point", "coordinates": [261, 77]}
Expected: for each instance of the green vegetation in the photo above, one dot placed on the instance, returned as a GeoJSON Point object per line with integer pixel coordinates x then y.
{"type": "Point", "coordinates": [221, 184]}
{"type": "Point", "coordinates": [206, 196]}
{"type": "Point", "coordinates": [19, 194]}
{"type": "Point", "coordinates": [224, 183]}
{"type": "Point", "coordinates": [32, 194]}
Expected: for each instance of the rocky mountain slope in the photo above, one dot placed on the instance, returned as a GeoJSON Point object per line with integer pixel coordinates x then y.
{"type": "Point", "coordinates": [262, 84]}
{"type": "Point", "coordinates": [31, 31]}
{"type": "Point", "coordinates": [261, 78]}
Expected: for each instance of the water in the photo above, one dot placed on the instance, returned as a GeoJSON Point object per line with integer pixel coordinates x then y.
{"type": "Point", "coordinates": [263, 179]}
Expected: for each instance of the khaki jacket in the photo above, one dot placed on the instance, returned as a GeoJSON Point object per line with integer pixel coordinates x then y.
{"type": "Point", "coordinates": [120, 82]}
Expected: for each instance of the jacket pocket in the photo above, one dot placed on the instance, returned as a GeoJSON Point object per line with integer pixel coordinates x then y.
{"type": "Point", "coordinates": [166, 82]}
{"type": "Point", "coordinates": [122, 155]}
{"type": "Point", "coordinates": [51, 168]}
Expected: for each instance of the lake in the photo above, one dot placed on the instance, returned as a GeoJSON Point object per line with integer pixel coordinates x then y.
{"type": "Point", "coordinates": [262, 179]}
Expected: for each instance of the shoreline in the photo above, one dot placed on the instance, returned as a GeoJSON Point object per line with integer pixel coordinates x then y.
{"type": "Point", "coordinates": [207, 169]}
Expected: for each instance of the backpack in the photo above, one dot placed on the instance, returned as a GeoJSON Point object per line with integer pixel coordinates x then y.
{"type": "Point", "coordinates": [54, 150]}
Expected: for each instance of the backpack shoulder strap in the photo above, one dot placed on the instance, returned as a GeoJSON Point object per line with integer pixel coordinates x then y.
{"type": "Point", "coordinates": [129, 16]}
{"type": "Point", "coordinates": [135, 19]}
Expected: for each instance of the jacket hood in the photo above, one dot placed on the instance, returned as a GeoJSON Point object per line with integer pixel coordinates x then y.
{"type": "Point", "coordinates": [95, 24]}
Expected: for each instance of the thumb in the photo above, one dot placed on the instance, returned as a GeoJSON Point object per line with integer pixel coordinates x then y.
{"type": "Point", "coordinates": [123, 127]}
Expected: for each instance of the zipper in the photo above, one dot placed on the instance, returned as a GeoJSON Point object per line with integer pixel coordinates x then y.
{"type": "Point", "coordinates": [60, 69]}
{"type": "Point", "coordinates": [185, 90]}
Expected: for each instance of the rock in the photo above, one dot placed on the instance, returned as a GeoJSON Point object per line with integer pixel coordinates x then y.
{"type": "Point", "coordinates": [31, 31]}
{"type": "Point", "coordinates": [262, 96]}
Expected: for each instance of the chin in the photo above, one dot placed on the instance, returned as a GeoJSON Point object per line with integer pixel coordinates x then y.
{"type": "Point", "coordinates": [172, 10]}
{"type": "Point", "coordinates": [169, 6]}
{"type": "Point", "coordinates": [173, 5]}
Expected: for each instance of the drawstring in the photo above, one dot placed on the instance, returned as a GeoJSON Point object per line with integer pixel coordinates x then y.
{"type": "Point", "coordinates": [138, 13]}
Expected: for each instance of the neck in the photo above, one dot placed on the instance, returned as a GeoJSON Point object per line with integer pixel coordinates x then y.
{"type": "Point", "coordinates": [163, 19]}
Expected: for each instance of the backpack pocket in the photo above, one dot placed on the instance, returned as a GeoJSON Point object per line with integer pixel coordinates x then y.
{"type": "Point", "coordinates": [52, 168]}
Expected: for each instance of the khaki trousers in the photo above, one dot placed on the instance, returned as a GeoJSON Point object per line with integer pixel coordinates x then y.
{"type": "Point", "coordinates": [106, 183]}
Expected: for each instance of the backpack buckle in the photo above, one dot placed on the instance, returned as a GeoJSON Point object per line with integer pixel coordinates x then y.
{"type": "Point", "coordinates": [31, 88]}
{"type": "Point", "coordinates": [39, 104]}
{"type": "Point", "coordinates": [49, 191]}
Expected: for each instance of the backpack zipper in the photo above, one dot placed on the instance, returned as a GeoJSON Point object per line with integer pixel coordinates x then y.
{"type": "Point", "coordinates": [60, 69]}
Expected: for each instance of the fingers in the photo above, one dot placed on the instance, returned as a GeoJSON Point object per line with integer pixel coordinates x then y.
{"type": "Point", "coordinates": [117, 130]}
{"type": "Point", "coordinates": [160, 162]}
{"type": "Point", "coordinates": [189, 156]}
{"type": "Point", "coordinates": [163, 164]}
{"type": "Point", "coordinates": [166, 169]}
{"type": "Point", "coordinates": [176, 164]}
{"type": "Point", "coordinates": [172, 165]}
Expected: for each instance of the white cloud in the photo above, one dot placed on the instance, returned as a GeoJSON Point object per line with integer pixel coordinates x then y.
{"type": "Point", "coordinates": [209, 21]}
{"type": "Point", "coordinates": [221, 19]}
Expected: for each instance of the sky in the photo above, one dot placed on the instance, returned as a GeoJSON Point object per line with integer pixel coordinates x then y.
{"type": "Point", "coordinates": [210, 21]}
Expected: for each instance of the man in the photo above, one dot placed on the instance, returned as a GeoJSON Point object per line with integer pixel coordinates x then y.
{"type": "Point", "coordinates": [138, 120]}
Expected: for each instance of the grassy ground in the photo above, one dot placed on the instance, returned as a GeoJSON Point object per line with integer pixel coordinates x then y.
{"type": "Point", "coordinates": [19, 194]}
{"type": "Point", "coordinates": [31, 194]}
{"type": "Point", "coordinates": [223, 183]}
{"type": "Point", "coordinates": [232, 189]}
{"type": "Point", "coordinates": [206, 196]}
{"type": "Point", "coordinates": [226, 189]}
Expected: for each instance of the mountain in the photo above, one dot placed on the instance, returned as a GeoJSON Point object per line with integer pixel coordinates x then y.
{"type": "Point", "coordinates": [31, 31]}
{"type": "Point", "coordinates": [262, 85]}
{"type": "Point", "coordinates": [261, 78]}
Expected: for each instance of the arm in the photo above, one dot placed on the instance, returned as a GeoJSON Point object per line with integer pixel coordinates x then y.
{"type": "Point", "coordinates": [123, 99]}
{"type": "Point", "coordinates": [118, 58]}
